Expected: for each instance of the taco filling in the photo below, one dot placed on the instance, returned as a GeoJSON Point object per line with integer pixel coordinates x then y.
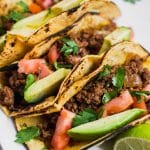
{"type": "Point", "coordinates": [112, 82]}
{"type": "Point", "coordinates": [113, 90]}
{"type": "Point", "coordinates": [71, 49]}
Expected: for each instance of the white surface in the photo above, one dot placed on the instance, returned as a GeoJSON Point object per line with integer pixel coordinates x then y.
{"type": "Point", "coordinates": [136, 16]}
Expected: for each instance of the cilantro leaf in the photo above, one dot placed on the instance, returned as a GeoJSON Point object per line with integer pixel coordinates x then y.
{"type": "Point", "coordinates": [15, 15]}
{"type": "Point", "coordinates": [58, 66]}
{"type": "Point", "coordinates": [27, 134]}
{"type": "Point", "coordinates": [105, 72]}
{"type": "Point", "coordinates": [118, 79]}
{"type": "Point", "coordinates": [140, 94]}
{"type": "Point", "coordinates": [132, 1]}
{"type": "Point", "coordinates": [69, 47]}
{"type": "Point", "coordinates": [23, 6]}
{"type": "Point", "coordinates": [29, 81]}
{"type": "Point", "coordinates": [84, 116]}
{"type": "Point", "coordinates": [108, 96]}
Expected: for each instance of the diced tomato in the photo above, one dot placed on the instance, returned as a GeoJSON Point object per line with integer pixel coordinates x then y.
{"type": "Point", "coordinates": [147, 88]}
{"type": "Point", "coordinates": [45, 3]}
{"type": "Point", "coordinates": [60, 138]}
{"type": "Point", "coordinates": [140, 104]}
{"type": "Point", "coordinates": [34, 66]}
{"type": "Point", "coordinates": [119, 104]}
{"type": "Point", "coordinates": [35, 8]}
{"type": "Point", "coordinates": [53, 54]}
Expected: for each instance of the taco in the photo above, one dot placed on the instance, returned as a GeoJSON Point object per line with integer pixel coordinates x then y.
{"type": "Point", "coordinates": [24, 28]}
{"type": "Point", "coordinates": [117, 92]}
{"type": "Point", "coordinates": [45, 62]}
{"type": "Point", "coordinates": [16, 10]}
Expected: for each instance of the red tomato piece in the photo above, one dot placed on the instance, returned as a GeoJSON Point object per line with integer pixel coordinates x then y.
{"type": "Point", "coordinates": [34, 66]}
{"type": "Point", "coordinates": [140, 104]}
{"type": "Point", "coordinates": [53, 54]}
{"type": "Point", "coordinates": [45, 3]}
{"type": "Point", "coordinates": [35, 8]}
{"type": "Point", "coordinates": [60, 138]}
{"type": "Point", "coordinates": [119, 104]}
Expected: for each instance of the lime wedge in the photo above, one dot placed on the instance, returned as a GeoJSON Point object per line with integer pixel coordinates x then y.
{"type": "Point", "coordinates": [132, 143]}
{"type": "Point", "coordinates": [141, 131]}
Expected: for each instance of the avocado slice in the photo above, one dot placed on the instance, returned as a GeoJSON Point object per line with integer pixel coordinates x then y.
{"type": "Point", "coordinates": [117, 36]}
{"type": "Point", "coordinates": [45, 87]}
{"type": "Point", "coordinates": [99, 128]}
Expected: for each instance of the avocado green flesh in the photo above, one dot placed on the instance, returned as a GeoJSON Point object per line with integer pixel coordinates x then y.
{"type": "Point", "coordinates": [98, 128]}
{"type": "Point", "coordinates": [46, 86]}
{"type": "Point", "coordinates": [117, 36]}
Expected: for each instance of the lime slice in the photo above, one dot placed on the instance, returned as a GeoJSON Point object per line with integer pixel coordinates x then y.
{"type": "Point", "coordinates": [132, 143]}
{"type": "Point", "coordinates": [141, 131]}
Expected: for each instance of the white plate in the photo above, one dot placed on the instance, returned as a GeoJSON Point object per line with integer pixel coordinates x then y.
{"type": "Point", "coordinates": [136, 16]}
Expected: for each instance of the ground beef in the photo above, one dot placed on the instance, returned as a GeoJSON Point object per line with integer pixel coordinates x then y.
{"type": "Point", "coordinates": [12, 94]}
{"type": "Point", "coordinates": [90, 96]}
{"type": "Point", "coordinates": [47, 129]}
{"type": "Point", "coordinates": [17, 81]}
{"type": "Point", "coordinates": [89, 42]}
{"type": "Point", "coordinates": [137, 77]}
{"type": "Point", "coordinates": [7, 97]}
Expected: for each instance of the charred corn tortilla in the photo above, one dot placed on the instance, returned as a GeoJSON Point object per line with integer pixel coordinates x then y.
{"type": "Point", "coordinates": [79, 21]}
{"type": "Point", "coordinates": [117, 55]}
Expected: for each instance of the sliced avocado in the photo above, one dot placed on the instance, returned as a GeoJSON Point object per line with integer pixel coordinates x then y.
{"type": "Point", "coordinates": [98, 128]}
{"type": "Point", "coordinates": [29, 25]}
{"type": "Point", "coordinates": [117, 36]}
{"type": "Point", "coordinates": [46, 86]}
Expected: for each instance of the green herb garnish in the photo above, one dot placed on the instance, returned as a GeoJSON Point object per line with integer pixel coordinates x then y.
{"type": "Point", "coordinates": [59, 66]}
{"type": "Point", "coordinates": [132, 1]}
{"type": "Point", "coordinates": [140, 94]}
{"type": "Point", "coordinates": [23, 6]}
{"type": "Point", "coordinates": [105, 72]}
{"type": "Point", "coordinates": [108, 96]}
{"type": "Point", "coordinates": [85, 116]}
{"type": "Point", "coordinates": [29, 81]}
{"type": "Point", "coordinates": [69, 47]}
{"type": "Point", "coordinates": [118, 79]}
{"type": "Point", "coordinates": [14, 15]}
{"type": "Point", "coordinates": [27, 134]}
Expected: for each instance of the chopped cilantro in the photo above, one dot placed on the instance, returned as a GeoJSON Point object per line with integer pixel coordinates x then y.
{"type": "Point", "coordinates": [108, 96]}
{"type": "Point", "coordinates": [132, 1]}
{"type": "Point", "coordinates": [15, 16]}
{"type": "Point", "coordinates": [58, 66]}
{"type": "Point", "coordinates": [105, 72]}
{"type": "Point", "coordinates": [84, 116]}
{"type": "Point", "coordinates": [27, 134]}
{"type": "Point", "coordinates": [140, 94]}
{"type": "Point", "coordinates": [29, 81]}
{"type": "Point", "coordinates": [23, 6]}
{"type": "Point", "coordinates": [118, 79]}
{"type": "Point", "coordinates": [69, 47]}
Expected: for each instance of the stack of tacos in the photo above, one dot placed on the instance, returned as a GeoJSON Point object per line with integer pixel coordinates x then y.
{"type": "Point", "coordinates": [76, 72]}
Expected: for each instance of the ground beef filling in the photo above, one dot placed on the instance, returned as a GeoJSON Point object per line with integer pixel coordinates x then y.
{"type": "Point", "coordinates": [48, 127]}
{"type": "Point", "coordinates": [11, 94]}
{"type": "Point", "coordinates": [90, 96]}
{"type": "Point", "coordinates": [89, 42]}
